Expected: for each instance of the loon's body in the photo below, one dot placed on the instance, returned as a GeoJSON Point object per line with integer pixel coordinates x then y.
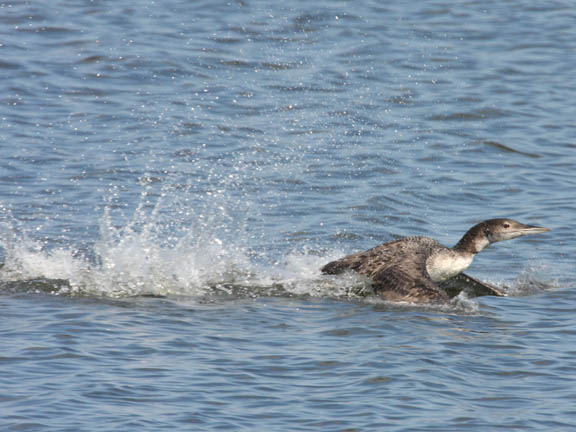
{"type": "Point", "coordinates": [415, 269]}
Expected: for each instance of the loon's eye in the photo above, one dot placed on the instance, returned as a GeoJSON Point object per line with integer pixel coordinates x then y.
{"type": "Point", "coordinates": [506, 225]}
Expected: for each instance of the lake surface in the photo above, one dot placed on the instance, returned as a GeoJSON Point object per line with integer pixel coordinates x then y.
{"type": "Point", "coordinates": [173, 175]}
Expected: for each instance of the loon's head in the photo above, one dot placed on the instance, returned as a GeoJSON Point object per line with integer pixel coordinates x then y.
{"type": "Point", "coordinates": [495, 230]}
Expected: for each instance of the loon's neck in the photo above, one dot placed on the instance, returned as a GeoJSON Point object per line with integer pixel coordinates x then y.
{"type": "Point", "coordinates": [473, 242]}
{"type": "Point", "coordinates": [446, 263]}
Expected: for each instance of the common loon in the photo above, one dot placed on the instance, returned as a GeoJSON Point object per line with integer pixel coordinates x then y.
{"type": "Point", "coordinates": [419, 269]}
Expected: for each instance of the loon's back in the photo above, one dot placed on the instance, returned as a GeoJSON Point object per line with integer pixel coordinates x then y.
{"type": "Point", "coordinates": [397, 269]}
{"type": "Point", "coordinates": [385, 255]}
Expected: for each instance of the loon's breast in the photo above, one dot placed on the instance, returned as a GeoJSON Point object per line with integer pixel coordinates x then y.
{"type": "Point", "coordinates": [447, 263]}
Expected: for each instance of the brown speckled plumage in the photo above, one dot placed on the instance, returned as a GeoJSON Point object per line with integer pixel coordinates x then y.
{"type": "Point", "coordinates": [400, 269]}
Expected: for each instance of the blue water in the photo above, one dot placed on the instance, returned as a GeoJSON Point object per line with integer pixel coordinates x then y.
{"type": "Point", "coordinates": [173, 175]}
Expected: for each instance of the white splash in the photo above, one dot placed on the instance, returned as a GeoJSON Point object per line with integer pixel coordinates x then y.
{"type": "Point", "coordinates": [143, 256]}
{"type": "Point", "coordinates": [165, 249]}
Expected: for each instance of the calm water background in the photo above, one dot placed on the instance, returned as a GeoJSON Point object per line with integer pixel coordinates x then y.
{"type": "Point", "coordinates": [173, 174]}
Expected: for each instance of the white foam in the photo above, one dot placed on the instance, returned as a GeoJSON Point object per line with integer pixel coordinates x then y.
{"type": "Point", "coordinates": [145, 255]}
{"type": "Point", "coordinates": [299, 273]}
{"type": "Point", "coordinates": [532, 280]}
{"type": "Point", "coordinates": [134, 260]}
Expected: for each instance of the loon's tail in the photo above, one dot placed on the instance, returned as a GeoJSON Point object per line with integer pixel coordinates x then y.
{"type": "Point", "coordinates": [336, 267]}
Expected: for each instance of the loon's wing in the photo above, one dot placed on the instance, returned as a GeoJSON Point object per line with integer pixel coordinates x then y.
{"type": "Point", "coordinates": [406, 279]}
{"type": "Point", "coordinates": [471, 286]}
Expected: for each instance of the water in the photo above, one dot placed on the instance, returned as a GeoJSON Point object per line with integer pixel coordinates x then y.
{"type": "Point", "coordinates": [173, 174]}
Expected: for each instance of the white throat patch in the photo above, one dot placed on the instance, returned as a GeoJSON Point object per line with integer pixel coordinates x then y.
{"type": "Point", "coordinates": [442, 266]}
